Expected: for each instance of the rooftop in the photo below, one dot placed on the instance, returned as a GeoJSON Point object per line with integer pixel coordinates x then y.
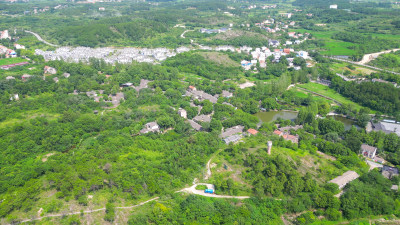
{"type": "Point", "coordinates": [344, 179]}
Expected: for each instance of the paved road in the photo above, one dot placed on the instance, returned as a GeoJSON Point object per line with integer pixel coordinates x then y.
{"type": "Point", "coordinates": [40, 38]}
{"type": "Point", "coordinates": [360, 64]}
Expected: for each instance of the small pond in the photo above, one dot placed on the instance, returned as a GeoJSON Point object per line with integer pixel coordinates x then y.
{"type": "Point", "coordinates": [270, 116]}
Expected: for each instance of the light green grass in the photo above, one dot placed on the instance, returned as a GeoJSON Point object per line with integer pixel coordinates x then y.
{"type": "Point", "coordinates": [328, 92]}
{"type": "Point", "coordinates": [9, 61]}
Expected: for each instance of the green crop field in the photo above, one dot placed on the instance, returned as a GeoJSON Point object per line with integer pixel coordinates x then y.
{"type": "Point", "coordinates": [11, 61]}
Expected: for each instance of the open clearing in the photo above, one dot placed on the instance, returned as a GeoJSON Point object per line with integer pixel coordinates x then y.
{"type": "Point", "coordinates": [219, 58]}
{"type": "Point", "coordinates": [9, 61]}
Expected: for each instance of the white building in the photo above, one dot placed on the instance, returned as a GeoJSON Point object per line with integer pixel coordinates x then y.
{"type": "Point", "coordinates": [333, 6]}
{"type": "Point", "coordinates": [4, 34]}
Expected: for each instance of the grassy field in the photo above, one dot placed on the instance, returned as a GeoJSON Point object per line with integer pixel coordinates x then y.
{"type": "Point", "coordinates": [342, 67]}
{"type": "Point", "coordinates": [326, 91]}
{"type": "Point", "coordinates": [219, 58]}
{"type": "Point", "coordinates": [333, 47]}
{"type": "Point", "coordinates": [11, 61]}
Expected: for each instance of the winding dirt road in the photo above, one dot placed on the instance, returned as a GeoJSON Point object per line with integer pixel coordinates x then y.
{"type": "Point", "coordinates": [369, 57]}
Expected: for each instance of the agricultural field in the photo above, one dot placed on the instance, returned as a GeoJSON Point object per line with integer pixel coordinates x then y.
{"type": "Point", "coordinates": [9, 61]}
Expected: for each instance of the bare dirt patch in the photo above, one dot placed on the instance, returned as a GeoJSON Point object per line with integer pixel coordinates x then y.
{"type": "Point", "coordinates": [44, 159]}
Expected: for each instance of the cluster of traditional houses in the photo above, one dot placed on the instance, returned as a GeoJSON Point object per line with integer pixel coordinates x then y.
{"type": "Point", "coordinates": [368, 152]}
{"type": "Point", "coordinates": [228, 135]}
{"type": "Point", "coordinates": [110, 55]}
{"type": "Point", "coordinates": [260, 55]}
{"type": "Point", "coordinates": [284, 132]}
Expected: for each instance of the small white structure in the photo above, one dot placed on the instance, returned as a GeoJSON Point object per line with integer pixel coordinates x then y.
{"type": "Point", "coordinates": [269, 147]}
{"type": "Point", "coordinates": [18, 46]}
{"type": "Point", "coordinates": [4, 34]}
{"type": "Point", "coordinates": [14, 97]}
{"type": "Point", "coordinates": [49, 70]}
{"type": "Point", "coordinates": [333, 6]}
{"type": "Point", "coordinates": [102, 9]}
{"type": "Point", "coordinates": [182, 113]}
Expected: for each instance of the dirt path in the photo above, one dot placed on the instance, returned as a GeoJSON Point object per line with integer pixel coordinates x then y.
{"type": "Point", "coordinates": [87, 211]}
{"type": "Point", "coordinates": [369, 57]}
{"type": "Point", "coordinates": [192, 190]}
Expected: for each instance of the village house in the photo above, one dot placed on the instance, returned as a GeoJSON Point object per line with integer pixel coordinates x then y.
{"type": "Point", "coordinates": [387, 127]}
{"type": "Point", "coordinates": [288, 137]}
{"type": "Point", "coordinates": [202, 118]}
{"type": "Point", "coordinates": [232, 131]}
{"type": "Point", "coordinates": [4, 34]}
{"type": "Point", "coordinates": [273, 43]}
{"type": "Point", "coordinates": [182, 113]}
{"type": "Point", "coordinates": [143, 84]}
{"type": "Point", "coordinates": [150, 127]}
{"type": "Point", "coordinates": [227, 94]}
{"type": "Point", "coordinates": [66, 75]}
{"type": "Point", "coordinates": [344, 179]}
{"type": "Point", "coordinates": [368, 151]}
{"type": "Point", "coordinates": [18, 46]}
{"type": "Point", "coordinates": [25, 77]}
{"type": "Point", "coordinates": [252, 131]}
{"type": "Point", "coordinates": [49, 70]}
{"type": "Point", "coordinates": [116, 98]}
{"type": "Point", "coordinates": [10, 78]}
{"type": "Point", "coordinates": [389, 172]}
{"type": "Point", "coordinates": [232, 139]}
{"type": "Point", "coordinates": [195, 125]}
{"type": "Point", "coordinates": [14, 97]}
{"type": "Point", "coordinates": [200, 95]}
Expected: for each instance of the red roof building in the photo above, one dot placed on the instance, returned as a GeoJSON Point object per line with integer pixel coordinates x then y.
{"type": "Point", "coordinates": [252, 131]}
